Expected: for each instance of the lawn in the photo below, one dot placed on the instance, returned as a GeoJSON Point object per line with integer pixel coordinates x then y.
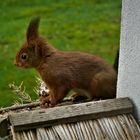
{"type": "Point", "coordinates": [91, 26]}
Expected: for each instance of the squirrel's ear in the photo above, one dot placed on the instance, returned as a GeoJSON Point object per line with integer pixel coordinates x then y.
{"type": "Point", "coordinates": [32, 30]}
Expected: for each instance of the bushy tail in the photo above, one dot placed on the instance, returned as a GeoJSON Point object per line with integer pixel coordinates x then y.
{"type": "Point", "coordinates": [116, 62]}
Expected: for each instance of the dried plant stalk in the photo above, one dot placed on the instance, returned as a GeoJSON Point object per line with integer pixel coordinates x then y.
{"type": "Point", "coordinates": [41, 88]}
{"type": "Point", "coordinates": [23, 97]}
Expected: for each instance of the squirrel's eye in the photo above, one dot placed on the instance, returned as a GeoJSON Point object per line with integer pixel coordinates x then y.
{"type": "Point", "coordinates": [24, 56]}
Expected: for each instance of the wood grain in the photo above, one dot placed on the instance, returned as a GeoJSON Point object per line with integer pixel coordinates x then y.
{"type": "Point", "coordinates": [70, 113]}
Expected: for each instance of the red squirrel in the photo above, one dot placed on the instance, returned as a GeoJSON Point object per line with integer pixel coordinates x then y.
{"type": "Point", "coordinates": [88, 75]}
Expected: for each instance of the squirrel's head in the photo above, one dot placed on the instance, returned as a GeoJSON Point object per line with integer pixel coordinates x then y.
{"type": "Point", "coordinates": [35, 47]}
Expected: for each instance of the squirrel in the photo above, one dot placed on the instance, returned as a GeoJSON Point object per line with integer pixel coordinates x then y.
{"type": "Point", "coordinates": [86, 74]}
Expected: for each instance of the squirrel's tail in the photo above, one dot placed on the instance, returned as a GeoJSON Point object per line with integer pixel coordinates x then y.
{"type": "Point", "coordinates": [116, 62]}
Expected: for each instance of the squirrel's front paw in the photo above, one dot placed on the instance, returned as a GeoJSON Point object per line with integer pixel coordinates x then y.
{"type": "Point", "coordinates": [44, 101]}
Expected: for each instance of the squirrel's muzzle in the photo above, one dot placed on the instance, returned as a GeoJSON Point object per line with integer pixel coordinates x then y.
{"type": "Point", "coordinates": [17, 64]}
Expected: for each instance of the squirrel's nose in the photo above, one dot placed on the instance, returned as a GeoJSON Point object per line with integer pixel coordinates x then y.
{"type": "Point", "coordinates": [15, 63]}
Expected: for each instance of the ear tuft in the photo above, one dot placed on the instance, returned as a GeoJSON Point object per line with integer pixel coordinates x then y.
{"type": "Point", "coordinates": [32, 30]}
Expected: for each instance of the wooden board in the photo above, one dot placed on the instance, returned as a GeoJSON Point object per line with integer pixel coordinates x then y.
{"type": "Point", "coordinates": [17, 107]}
{"type": "Point", "coordinates": [70, 113]}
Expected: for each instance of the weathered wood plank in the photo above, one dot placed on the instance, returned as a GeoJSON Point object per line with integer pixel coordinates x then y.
{"type": "Point", "coordinates": [70, 113]}
{"type": "Point", "coordinates": [11, 108]}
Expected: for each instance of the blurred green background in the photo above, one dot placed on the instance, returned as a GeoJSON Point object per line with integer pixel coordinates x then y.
{"type": "Point", "coordinates": [91, 26]}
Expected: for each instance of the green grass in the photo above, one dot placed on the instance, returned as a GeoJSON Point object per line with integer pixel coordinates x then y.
{"type": "Point", "coordinates": [91, 26]}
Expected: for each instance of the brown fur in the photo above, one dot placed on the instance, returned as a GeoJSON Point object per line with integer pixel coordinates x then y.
{"type": "Point", "coordinates": [86, 74]}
